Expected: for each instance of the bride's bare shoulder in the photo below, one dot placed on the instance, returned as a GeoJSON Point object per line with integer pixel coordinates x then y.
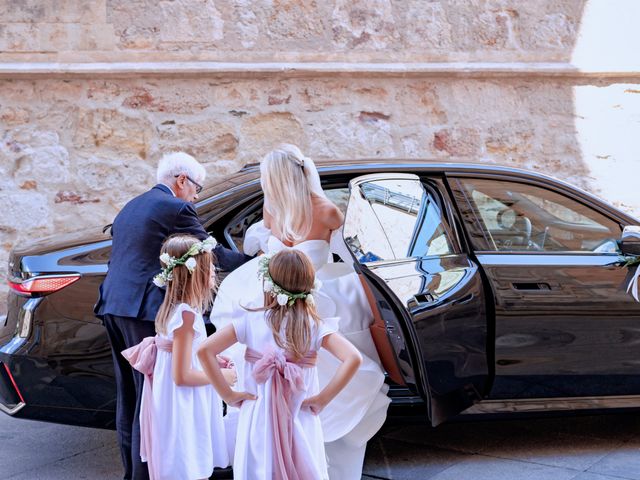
{"type": "Point", "coordinates": [328, 213]}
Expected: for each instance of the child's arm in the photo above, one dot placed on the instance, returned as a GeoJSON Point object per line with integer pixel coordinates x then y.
{"type": "Point", "coordinates": [207, 353]}
{"type": "Point", "coordinates": [183, 374]}
{"type": "Point", "coordinates": [351, 359]}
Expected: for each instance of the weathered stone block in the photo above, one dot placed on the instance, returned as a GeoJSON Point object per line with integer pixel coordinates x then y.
{"type": "Point", "coordinates": [425, 24]}
{"type": "Point", "coordinates": [260, 133]}
{"type": "Point", "coordinates": [20, 37]}
{"type": "Point", "coordinates": [103, 174]}
{"type": "Point", "coordinates": [188, 21]}
{"type": "Point", "coordinates": [346, 135]}
{"type": "Point", "coordinates": [13, 115]}
{"type": "Point", "coordinates": [293, 21]}
{"type": "Point", "coordinates": [168, 100]}
{"type": "Point", "coordinates": [103, 91]}
{"type": "Point", "coordinates": [46, 166]}
{"type": "Point", "coordinates": [368, 24]}
{"type": "Point", "coordinates": [206, 140]}
{"type": "Point", "coordinates": [510, 138]}
{"type": "Point", "coordinates": [459, 142]}
{"type": "Point", "coordinates": [110, 129]}
{"type": "Point", "coordinates": [24, 212]}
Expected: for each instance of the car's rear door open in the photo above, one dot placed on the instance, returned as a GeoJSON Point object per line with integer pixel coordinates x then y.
{"type": "Point", "coordinates": [427, 295]}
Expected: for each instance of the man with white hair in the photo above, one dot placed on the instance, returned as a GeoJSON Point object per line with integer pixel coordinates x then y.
{"type": "Point", "coordinates": [129, 300]}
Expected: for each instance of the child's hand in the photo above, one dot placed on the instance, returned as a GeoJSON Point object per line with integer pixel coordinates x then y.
{"type": "Point", "coordinates": [230, 376]}
{"type": "Point", "coordinates": [314, 404]}
{"type": "Point", "coordinates": [236, 398]}
{"type": "Point", "coordinates": [224, 362]}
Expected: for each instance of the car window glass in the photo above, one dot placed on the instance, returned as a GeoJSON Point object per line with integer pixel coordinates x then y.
{"type": "Point", "coordinates": [237, 227]}
{"type": "Point", "coordinates": [394, 219]}
{"type": "Point", "coordinates": [520, 217]}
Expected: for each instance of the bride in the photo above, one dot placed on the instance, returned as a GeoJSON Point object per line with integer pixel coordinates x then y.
{"type": "Point", "coordinates": [297, 214]}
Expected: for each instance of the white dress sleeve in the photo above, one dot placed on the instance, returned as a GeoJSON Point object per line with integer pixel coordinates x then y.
{"type": "Point", "coordinates": [326, 327]}
{"type": "Point", "coordinates": [177, 321]}
{"type": "Point", "coordinates": [256, 238]}
{"type": "Point", "coordinates": [240, 326]}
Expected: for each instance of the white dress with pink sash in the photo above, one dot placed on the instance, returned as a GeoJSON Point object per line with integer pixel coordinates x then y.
{"type": "Point", "coordinates": [280, 386]}
{"type": "Point", "coordinates": [186, 437]}
{"type": "Point", "coordinates": [359, 411]}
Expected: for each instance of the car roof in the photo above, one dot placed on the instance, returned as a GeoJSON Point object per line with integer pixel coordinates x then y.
{"type": "Point", "coordinates": [251, 172]}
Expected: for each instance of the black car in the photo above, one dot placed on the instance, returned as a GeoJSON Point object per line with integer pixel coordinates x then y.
{"type": "Point", "coordinates": [494, 290]}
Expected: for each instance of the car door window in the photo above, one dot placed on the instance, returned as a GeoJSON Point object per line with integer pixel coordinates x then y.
{"type": "Point", "coordinates": [237, 227]}
{"type": "Point", "coordinates": [514, 216]}
{"type": "Point", "coordinates": [391, 219]}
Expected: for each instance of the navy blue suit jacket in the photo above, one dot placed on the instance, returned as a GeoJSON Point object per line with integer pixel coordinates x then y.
{"type": "Point", "coordinates": [138, 233]}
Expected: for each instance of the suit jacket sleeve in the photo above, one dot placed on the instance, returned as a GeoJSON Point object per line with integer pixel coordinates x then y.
{"type": "Point", "coordinates": [188, 223]}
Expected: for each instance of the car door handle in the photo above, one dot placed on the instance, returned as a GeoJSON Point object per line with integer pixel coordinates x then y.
{"type": "Point", "coordinates": [531, 286]}
{"type": "Point", "coordinates": [423, 297]}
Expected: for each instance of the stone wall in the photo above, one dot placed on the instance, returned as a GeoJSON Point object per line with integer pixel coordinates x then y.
{"type": "Point", "coordinates": [479, 81]}
{"type": "Point", "coordinates": [284, 30]}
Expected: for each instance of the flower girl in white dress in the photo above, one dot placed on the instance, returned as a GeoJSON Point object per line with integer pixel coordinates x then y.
{"type": "Point", "coordinates": [182, 432]}
{"type": "Point", "coordinates": [279, 435]}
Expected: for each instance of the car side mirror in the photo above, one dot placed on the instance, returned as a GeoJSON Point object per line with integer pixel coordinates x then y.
{"type": "Point", "coordinates": [630, 242]}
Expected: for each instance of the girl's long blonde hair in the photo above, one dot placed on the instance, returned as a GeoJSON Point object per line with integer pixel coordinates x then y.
{"type": "Point", "coordinates": [290, 325]}
{"type": "Point", "coordinates": [194, 289]}
{"type": "Point", "coordinates": [288, 180]}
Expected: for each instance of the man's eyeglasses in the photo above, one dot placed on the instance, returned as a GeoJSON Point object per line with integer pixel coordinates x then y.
{"type": "Point", "coordinates": [198, 186]}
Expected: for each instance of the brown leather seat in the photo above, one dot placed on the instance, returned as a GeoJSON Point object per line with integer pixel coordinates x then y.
{"type": "Point", "coordinates": [380, 338]}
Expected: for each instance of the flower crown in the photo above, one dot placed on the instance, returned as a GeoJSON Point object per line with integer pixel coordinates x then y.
{"type": "Point", "coordinates": [283, 297]}
{"type": "Point", "coordinates": [166, 275]}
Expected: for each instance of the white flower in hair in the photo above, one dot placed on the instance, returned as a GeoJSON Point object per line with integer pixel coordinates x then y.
{"type": "Point", "coordinates": [267, 286]}
{"type": "Point", "coordinates": [310, 300]}
{"type": "Point", "coordinates": [159, 281]}
{"type": "Point", "coordinates": [282, 299]}
{"type": "Point", "coordinates": [165, 258]}
{"type": "Point", "coordinates": [191, 264]}
{"type": "Point", "coordinates": [209, 244]}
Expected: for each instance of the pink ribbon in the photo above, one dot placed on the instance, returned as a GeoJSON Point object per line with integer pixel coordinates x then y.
{"type": "Point", "coordinates": [287, 380]}
{"type": "Point", "coordinates": [142, 357]}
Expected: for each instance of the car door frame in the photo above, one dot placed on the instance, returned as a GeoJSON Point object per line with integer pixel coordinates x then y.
{"type": "Point", "coordinates": [441, 405]}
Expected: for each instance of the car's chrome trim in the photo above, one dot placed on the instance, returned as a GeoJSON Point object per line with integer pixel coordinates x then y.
{"type": "Point", "coordinates": [25, 316]}
{"type": "Point", "coordinates": [13, 410]}
{"type": "Point", "coordinates": [553, 404]}
{"type": "Point", "coordinates": [542, 259]}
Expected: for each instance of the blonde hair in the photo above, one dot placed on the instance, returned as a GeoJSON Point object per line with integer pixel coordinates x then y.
{"type": "Point", "coordinates": [284, 177]}
{"type": "Point", "coordinates": [194, 289]}
{"type": "Point", "coordinates": [290, 325]}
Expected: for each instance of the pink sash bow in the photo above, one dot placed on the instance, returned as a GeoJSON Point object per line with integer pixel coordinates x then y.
{"type": "Point", "coordinates": [142, 357]}
{"type": "Point", "coordinates": [287, 381]}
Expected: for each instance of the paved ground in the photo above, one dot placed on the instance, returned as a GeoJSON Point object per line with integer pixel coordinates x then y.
{"type": "Point", "coordinates": [579, 448]}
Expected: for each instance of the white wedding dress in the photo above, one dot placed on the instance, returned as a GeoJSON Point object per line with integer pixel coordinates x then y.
{"type": "Point", "coordinates": [359, 411]}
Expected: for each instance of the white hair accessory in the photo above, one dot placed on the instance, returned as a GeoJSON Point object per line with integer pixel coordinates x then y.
{"type": "Point", "coordinates": [166, 275]}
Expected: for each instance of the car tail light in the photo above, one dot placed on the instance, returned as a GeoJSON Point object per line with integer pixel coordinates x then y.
{"type": "Point", "coordinates": [43, 285]}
